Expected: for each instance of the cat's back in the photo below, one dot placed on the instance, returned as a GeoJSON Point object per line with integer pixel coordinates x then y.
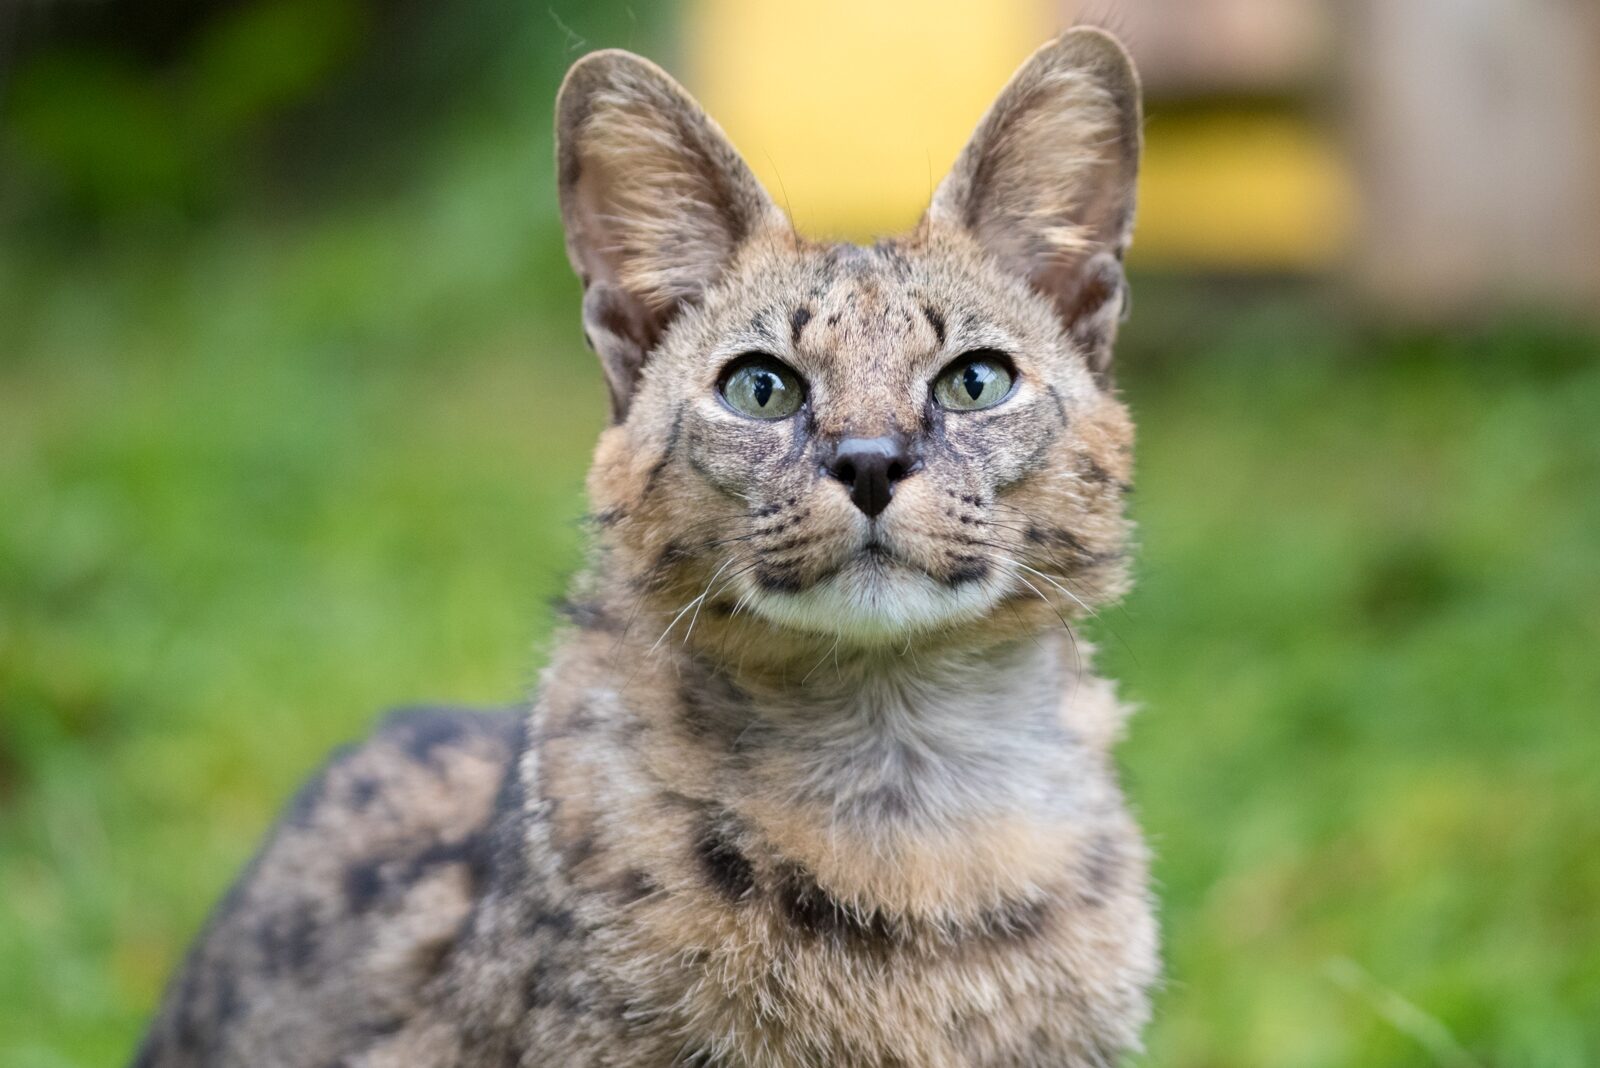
{"type": "Point", "coordinates": [327, 941]}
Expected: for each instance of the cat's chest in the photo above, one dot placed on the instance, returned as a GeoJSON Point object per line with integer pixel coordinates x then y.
{"type": "Point", "coordinates": [800, 980]}
{"type": "Point", "coordinates": [749, 957]}
{"type": "Point", "coordinates": [863, 885]}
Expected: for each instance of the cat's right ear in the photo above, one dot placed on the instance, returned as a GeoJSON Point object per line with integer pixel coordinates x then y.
{"type": "Point", "coordinates": [655, 202]}
{"type": "Point", "coordinates": [1047, 183]}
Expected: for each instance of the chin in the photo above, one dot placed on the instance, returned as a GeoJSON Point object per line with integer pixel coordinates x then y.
{"type": "Point", "coordinates": [871, 602]}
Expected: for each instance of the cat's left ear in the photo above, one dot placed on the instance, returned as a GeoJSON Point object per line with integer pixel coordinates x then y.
{"type": "Point", "coordinates": [655, 201]}
{"type": "Point", "coordinates": [1046, 184]}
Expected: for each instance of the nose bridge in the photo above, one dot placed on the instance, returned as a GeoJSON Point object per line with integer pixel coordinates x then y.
{"type": "Point", "coordinates": [861, 325]}
{"type": "Point", "coordinates": [873, 422]}
{"type": "Point", "coordinates": [870, 401]}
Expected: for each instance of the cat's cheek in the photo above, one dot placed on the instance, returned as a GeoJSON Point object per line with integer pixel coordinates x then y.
{"type": "Point", "coordinates": [745, 459]}
{"type": "Point", "coordinates": [613, 480]}
{"type": "Point", "coordinates": [1001, 450]}
{"type": "Point", "coordinates": [1106, 433]}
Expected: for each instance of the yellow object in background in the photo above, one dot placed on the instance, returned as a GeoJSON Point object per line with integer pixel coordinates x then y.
{"type": "Point", "coordinates": [1242, 192]}
{"type": "Point", "coordinates": [851, 111]}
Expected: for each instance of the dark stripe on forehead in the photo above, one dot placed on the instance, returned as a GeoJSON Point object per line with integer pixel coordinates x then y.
{"type": "Point", "coordinates": [888, 251]}
{"type": "Point", "coordinates": [797, 322]}
{"type": "Point", "coordinates": [759, 327]}
{"type": "Point", "coordinates": [828, 267]}
{"type": "Point", "coordinates": [936, 321]}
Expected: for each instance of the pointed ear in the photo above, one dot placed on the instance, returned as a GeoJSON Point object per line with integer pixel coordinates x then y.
{"type": "Point", "coordinates": [655, 202]}
{"type": "Point", "coordinates": [1046, 185]}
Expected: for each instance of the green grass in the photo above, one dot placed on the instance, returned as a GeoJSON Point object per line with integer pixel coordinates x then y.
{"type": "Point", "coordinates": [1366, 641]}
{"type": "Point", "coordinates": [257, 485]}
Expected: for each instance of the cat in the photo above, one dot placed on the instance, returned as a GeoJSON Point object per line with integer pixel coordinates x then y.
{"type": "Point", "coordinates": [818, 773]}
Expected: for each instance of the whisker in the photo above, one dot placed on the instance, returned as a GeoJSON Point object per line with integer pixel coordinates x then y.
{"type": "Point", "coordinates": [821, 660]}
{"type": "Point", "coordinates": [1035, 571]}
{"type": "Point", "coordinates": [1044, 575]}
{"type": "Point", "coordinates": [1072, 635]}
{"type": "Point", "coordinates": [1093, 613]}
{"type": "Point", "coordinates": [702, 599]}
{"type": "Point", "coordinates": [694, 604]}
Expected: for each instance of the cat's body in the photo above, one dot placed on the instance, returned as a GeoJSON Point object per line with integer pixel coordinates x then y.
{"type": "Point", "coordinates": [817, 775]}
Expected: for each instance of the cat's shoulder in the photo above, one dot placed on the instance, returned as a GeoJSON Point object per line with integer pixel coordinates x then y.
{"type": "Point", "coordinates": [422, 785]}
{"type": "Point", "coordinates": [354, 900]}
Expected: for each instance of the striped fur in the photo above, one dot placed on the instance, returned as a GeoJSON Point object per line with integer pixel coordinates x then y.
{"type": "Point", "coordinates": [798, 787]}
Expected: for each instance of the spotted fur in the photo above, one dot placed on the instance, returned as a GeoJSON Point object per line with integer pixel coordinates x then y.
{"type": "Point", "coordinates": [799, 787]}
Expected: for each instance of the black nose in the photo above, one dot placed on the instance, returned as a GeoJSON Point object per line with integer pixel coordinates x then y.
{"type": "Point", "coordinates": [871, 467]}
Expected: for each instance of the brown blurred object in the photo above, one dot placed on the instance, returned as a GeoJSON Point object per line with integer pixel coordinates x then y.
{"type": "Point", "coordinates": [1244, 173]}
{"type": "Point", "coordinates": [1477, 135]}
{"type": "Point", "coordinates": [1470, 130]}
{"type": "Point", "coordinates": [1207, 47]}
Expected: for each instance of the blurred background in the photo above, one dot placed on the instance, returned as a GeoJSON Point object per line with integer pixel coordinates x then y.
{"type": "Point", "coordinates": [294, 414]}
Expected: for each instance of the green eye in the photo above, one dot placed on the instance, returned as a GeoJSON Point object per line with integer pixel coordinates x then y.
{"type": "Point", "coordinates": [762, 388]}
{"type": "Point", "coordinates": [977, 380]}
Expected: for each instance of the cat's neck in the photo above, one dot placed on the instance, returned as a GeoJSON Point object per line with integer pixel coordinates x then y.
{"type": "Point", "coordinates": [902, 737]}
{"type": "Point", "coordinates": [927, 778]}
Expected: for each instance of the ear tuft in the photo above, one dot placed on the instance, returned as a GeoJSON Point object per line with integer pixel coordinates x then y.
{"type": "Point", "coordinates": [655, 201]}
{"type": "Point", "coordinates": [1047, 183]}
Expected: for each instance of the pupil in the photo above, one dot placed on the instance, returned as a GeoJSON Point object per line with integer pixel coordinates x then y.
{"type": "Point", "coordinates": [761, 387]}
{"type": "Point", "coordinates": [972, 378]}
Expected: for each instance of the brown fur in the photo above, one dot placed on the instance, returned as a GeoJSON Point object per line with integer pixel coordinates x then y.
{"type": "Point", "coordinates": [798, 788]}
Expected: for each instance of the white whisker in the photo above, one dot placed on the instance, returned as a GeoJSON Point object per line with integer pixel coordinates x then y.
{"type": "Point", "coordinates": [1035, 571]}
{"type": "Point", "coordinates": [699, 602]}
{"type": "Point", "coordinates": [693, 604]}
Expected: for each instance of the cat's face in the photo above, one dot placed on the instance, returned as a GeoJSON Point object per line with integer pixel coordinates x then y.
{"type": "Point", "coordinates": [862, 443]}
{"type": "Point", "coordinates": [979, 454]}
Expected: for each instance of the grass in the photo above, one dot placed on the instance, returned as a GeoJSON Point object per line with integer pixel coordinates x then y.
{"type": "Point", "coordinates": [260, 484]}
{"type": "Point", "coordinates": [1365, 640]}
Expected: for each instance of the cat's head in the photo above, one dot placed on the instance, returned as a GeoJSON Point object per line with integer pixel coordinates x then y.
{"type": "Point", "coordinates": [860, 442]}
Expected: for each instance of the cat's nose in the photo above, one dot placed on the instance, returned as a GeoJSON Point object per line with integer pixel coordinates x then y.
{"type": "Point", "coordinates": [871, 467]}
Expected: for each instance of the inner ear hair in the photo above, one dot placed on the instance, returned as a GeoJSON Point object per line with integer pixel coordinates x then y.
{"type": "Point", "coordinates": [655, 202]}
{"type": "Point", "coordinates": [1047, 183]}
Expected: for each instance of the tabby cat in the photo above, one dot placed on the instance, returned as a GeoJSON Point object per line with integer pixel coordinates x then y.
{"type": "Point", "coordinates": [817, 774]}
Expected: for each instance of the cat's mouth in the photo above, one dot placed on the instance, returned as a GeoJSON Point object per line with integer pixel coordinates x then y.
{"type": "Point", "coordinates": [873, 592]}
{"type": "Point", "coordinates": [875, 559]}
{"type": "Point", "coordinates": [878, 551]}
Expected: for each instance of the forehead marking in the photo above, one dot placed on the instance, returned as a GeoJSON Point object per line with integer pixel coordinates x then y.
{"type": "Point", "coordinates": [798, 321]}
{"type": "Point", "coordinates": [759, 327]}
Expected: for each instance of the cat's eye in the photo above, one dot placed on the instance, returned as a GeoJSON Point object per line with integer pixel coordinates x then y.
{"type": "Point", "coordinates": [979, 379]}
{"type": "Point", "coordinates": [762, 388]}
